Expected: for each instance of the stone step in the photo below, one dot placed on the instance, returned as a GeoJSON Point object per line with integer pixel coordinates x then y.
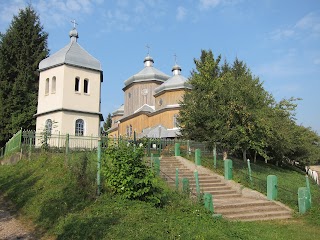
{"type": "Point", "coordinates": [224, 205]}
{"type": "Point", "coordinates": [253, 216]}
{"type": "Point", "coordinates": [248, 209]}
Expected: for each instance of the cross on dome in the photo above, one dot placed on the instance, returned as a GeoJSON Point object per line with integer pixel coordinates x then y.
{"type": "Point", "coordinates": [74, 23]}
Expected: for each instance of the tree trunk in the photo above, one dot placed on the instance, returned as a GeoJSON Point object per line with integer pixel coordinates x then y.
{"type": "Point", "coordinates": [244, 154]}
{"type": "Point", "coordinates": [255, 157]}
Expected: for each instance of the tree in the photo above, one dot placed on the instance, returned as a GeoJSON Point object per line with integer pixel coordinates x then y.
{"type": "Point", "coordinates": [224, 106]}
{"type": "Point", "coordinates": [22, 48]}
{"type": "Point", "coordinates": [107, 124]}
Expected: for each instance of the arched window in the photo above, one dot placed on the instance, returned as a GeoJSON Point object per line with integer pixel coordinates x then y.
{"type": "Point", "coordinates": [47, 86]}
{"type": "Point", "coordinates": [77, 84]}
{"type": "Point", "coordinates": [175, 121]}
{"type": "Point", "coordinates": [79, 130]}
{"type": "Point", "coordinates": [53, 85]}
{"type": "Point", "coordinates": [48, 127]}
{"type": "Point", "coordinates": [86, 86]}
{"type": "Point", "coordinates": [130, 130]}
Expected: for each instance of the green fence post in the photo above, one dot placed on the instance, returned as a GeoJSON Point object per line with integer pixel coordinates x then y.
{"type": "Point", "coordinates": [249, 172]}
{"type": "Point", "coordinates": [151, 160]}
{"type": "Point", "coordinates": [157, 165]}
{"type": "Point", "coordinates": [215, 156]}
{"type": "Point", "coordinates": [177, 149]}
{"type": "Point", "coordinates": [303, 200]}
{"type": "Point", "coordinates": [228, 169]}
{"type": "Point", "coordinates": [177, 178]}
{"type": "Point", "coordinates": [67, 149]}
{"type": "Point", "coordinates": [197, 157]}
{"type": "Point", "coordinates": [185, 186]}
{"type": "Point", "coordinates": [99, 168]}
{"type": "Point", "coordinates": [188, 147]}
{"type": "Point", "coordinates": [272, 187]}
{"type": "Point", "coordinates": [208, 203]}
{"type": "Point", "coordinates": [148, 148]}
{"type": "Point", "coordinates": [30, 147]}
{"type": "Point", "coordinates": [196, 176]}
{"type": "Point", "coordinates": [308, 187]}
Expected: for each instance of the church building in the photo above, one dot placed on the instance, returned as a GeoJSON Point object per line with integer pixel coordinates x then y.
{"type": "Point", "coordinates": [69, 92]}
{"type": "Point", "coordinates": [151, 104]}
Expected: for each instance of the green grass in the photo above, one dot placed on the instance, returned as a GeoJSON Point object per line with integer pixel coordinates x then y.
{"type": "Point", "coordinates": [60, 200]}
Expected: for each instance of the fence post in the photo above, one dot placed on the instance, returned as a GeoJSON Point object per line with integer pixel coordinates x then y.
{"type": "Point", "coordinates": [215, 156]}
{"type": "Point", "coordinates": [99, 168]}
{"type": "Point", "coordinates": [198, 157]}
{"type": "Point", "coordinates": [196, 176]}
{"type": "Point", "coordinates": [157, 165]}
{"type": "Point", "coordinates": [177, 179]}
{"type": "Point", "coordinates": [228, 169]}
{"type": "Point", "coordinates": [303, 200]}
{"type": "Point", "coordinates": [67, 147]}
{"type": "Point", "coordinates": [185, 186]}
{"type": "Point", "coordinates": [249, 171]}
{"type": "Point", "coordinates": [177, 149]}
{"type": "Point", "coordinates": [208, 203]}
{"type": "Point", "coordinates": [188, 148]}
{"type": "Point", "coordinates": [30, 147]}
{"type": "Point", "coordinates": [272, 187]}
{"type": "Point", "coordinates": [308, 187]}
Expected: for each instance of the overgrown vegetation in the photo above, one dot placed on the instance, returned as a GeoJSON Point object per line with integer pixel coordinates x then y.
{"type": "Point", "coordinates": [126, 174]}
{"type": "Point", "coordinates": [61, 202]}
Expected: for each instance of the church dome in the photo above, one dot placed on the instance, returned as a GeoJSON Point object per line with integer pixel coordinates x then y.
{"type": "Point", "coordinates": [177, 81]}
{"type": "Point", "coordinates": [72, 54]}
{"type": "Point", "coordinates": [149, 73]}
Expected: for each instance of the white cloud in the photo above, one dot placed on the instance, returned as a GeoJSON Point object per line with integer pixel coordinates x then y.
{"type": "Point", "coordinates": [206, 4]}
{"type": "Point", "coordinates": [304, 27]}
{"type": "Point", "coordinates": [7, 10]}
{"type": "Point", "coordinates": [181, 13]}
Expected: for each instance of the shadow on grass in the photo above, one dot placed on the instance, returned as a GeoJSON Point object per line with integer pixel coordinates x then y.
{"type": "Point", "coordinates": [87, 227]}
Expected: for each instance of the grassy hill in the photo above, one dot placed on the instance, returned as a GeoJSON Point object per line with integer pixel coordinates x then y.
{"type": "Point", "coordinates": [59, 199]}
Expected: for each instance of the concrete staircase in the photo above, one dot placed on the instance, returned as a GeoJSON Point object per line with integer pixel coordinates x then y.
{"type": "Point", "coordinates": [230, 199]}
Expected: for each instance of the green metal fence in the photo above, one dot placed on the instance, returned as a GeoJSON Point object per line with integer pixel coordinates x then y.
{"type": "Point", "coordinates": [14, 144]}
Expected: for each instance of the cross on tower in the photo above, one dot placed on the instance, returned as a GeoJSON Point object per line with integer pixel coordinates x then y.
{"type": "Point", "coordinates": [175, 59]}
{"type": "Point", "coordinates": [74, 23]}
{"type": "Point", "coordinates": [148, 47]}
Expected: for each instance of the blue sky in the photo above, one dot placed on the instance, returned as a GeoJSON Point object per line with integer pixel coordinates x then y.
{"type": "Point", "coordinates": [278, 40]}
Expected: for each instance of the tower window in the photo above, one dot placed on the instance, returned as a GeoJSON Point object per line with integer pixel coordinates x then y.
{"type": "Point", "coordinates": [130, 130]}
{"type": "Point", "coordinates": [53, 85]}
{"type": "Point", "coordinates": [79, 130]}
{"type": "Point", "coordinates": [77, 84]}
{"type": "Point", "coordinates": [127, 131]}
{"type": "Point", "coordinates": [47, 86]}
{"type": "Point", "coordinates": [48, 127]}
{"type": "Point", "coordinates": [86, 86]}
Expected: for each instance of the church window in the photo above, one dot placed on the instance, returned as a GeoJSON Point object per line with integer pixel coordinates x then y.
{"type": "Point", "coordinates": [86, 86]}
{"type": "Point", "coordinates": [53, 85]}
{"type": "Point", "coordinates": [77, 84]}
{"type": "Point", "coordinates": [129, 95]}
{"type": "Point", "coordinates": [47, 86]}
{"type": "Point", "coordinates": [127, 130]}
{"type": "Point", "coordinates": [79, 130]}
{"type": "Point", "coordinates": [175, 121]}
{"type": "Point", "coordinates": [48, 127]}
{"type": "Point", "coordinates": [130, 130]}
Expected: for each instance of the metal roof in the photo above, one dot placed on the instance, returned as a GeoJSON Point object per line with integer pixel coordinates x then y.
{"type": "Point", "coordinates": [177, 81]}
{"type": "Point", "coordinates": [72, 54]}
{"type": "Point", "coordinates": [159, 131]}
{"type": "Point", "coordinates": [149, 73]}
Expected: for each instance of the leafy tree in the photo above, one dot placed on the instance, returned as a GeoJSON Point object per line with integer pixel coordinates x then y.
{"type": "Point", "coordinates": [22, 47]}
{"type": "Point", "coordinates": [107, 124]}
{"type": "Point", "coordinates": [224, 105]}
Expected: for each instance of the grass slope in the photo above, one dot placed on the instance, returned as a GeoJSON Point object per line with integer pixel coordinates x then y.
{"type": "Point", "coordinates": [60, 201]}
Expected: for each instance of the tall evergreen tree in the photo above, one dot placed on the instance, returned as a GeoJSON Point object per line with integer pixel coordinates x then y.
{"type": "Point", "coordinates": [22, 47]}
{"type": "Point", "coordinates": [107, 124]}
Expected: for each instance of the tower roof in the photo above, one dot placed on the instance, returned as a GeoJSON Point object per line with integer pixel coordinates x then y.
{"type": "Point", "coordinates": [177, 81]}
{"type": "Point", "coordinates": [72, 54]}
{"type": "Point", "coordinates": [148, 73]}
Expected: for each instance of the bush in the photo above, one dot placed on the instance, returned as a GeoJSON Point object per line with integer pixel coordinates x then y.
{"type": "Point", "coordinates": [127, 175]}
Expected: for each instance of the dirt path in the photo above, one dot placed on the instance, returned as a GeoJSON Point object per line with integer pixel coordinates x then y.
{"type": "Point", "coordinates": [10, 227]}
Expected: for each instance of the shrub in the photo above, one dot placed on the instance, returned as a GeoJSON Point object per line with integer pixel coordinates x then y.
{"type": "Point", "coordinates": [127, 175]}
